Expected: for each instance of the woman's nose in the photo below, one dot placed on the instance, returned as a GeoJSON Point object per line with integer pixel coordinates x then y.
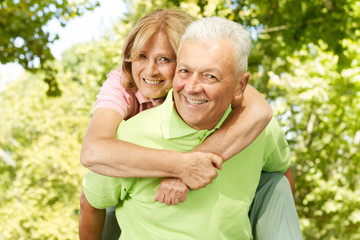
{"type": "Point", "coordinates": [151, 68]}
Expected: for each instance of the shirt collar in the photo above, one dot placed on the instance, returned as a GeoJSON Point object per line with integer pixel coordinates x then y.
{"type": "Point", "coordinates": [173, 126]}
{"type": "Point", "coordinates": [142, 99]}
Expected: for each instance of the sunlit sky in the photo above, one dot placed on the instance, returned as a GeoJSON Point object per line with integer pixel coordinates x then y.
{"type": "Point", "coordinates": [89, 26]}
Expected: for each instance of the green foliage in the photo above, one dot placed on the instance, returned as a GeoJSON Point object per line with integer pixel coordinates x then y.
{"type": "Point", "coordinates": [305, 58]}
{"type": "Point", "coordinates": [319, 107]}
{"type": "Point", "coordinates": [23, 38]}
{"type": "Point", "coordinates": [40, 139]}
{"type": "Point", "coordinates": [284, 27]}
{"type": "Point", "coordinates": [42, 136]}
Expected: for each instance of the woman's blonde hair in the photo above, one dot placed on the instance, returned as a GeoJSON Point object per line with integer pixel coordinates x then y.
{"type": "Point", "coordinates": [173, 22]}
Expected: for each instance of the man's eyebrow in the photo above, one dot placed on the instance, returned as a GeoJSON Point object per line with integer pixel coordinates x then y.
{"type": "Point", "coordinates": [213, 70]}
{"type": "Point", "coordinates": [202, 69]}
{"type": "Point", "coordinates": [183, 65]}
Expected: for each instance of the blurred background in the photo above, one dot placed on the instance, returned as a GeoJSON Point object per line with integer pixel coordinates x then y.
{"type": "Point", "coordinates": [56, 54]}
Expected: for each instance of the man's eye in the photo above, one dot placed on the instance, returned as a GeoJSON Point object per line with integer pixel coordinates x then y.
{"type": "Point", "coordinates": [183, 73]}
{"type": "Point", "coordinates": [209, 77]}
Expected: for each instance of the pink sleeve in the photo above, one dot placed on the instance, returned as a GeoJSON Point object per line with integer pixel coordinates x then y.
{"type": "Point", "coordinates": [114, 96]}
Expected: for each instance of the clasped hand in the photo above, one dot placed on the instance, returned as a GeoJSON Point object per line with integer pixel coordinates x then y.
{"type": "Point", "coordinates": [197, 171]}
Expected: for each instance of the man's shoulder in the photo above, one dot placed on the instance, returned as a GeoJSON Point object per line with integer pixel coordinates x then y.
{"type": "Point", "coordinates": [275, 135]}
{"type": "Point", "coordinates": [273, 127]}
{"type": "Point", "coordinates": [144, 116]}
{"type": "Point", "coordinates": [271, 135]}
{"type": "Point", "coordinates": [145, 123]}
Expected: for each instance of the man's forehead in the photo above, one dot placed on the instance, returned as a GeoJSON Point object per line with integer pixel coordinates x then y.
{"type": "Point", "coordinates": [191, 51]}
{"type": "Point", "coordinates": [214, 56]}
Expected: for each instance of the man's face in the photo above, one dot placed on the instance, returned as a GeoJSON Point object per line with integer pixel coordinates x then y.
{"type": "Point", "coordinates": [203, 84]}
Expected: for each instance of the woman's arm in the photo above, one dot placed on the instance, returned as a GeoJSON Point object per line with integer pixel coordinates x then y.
{"type": "Point", "coordinates": [91, 222]}
{"type": "Point", "coordinates": [290, 176]}
{"type": "Point", "coordinates": [247, 120]}
{"type": "Point", "coordinates": [104, 154]}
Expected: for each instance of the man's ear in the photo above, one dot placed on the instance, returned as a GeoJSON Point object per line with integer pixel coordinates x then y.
{"type": "Point", "coordinates": [241, 85]}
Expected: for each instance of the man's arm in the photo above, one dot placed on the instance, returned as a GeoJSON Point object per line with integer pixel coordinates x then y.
{"type": "Point", "coordinates": [91, 221]}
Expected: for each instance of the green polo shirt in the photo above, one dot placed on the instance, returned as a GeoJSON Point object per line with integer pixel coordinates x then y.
{"type": "Point", "coordinates": [218, 211]}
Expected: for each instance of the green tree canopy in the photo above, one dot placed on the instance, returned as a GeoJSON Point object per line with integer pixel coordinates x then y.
{"type": "Point", "coordinates": [23, 39]}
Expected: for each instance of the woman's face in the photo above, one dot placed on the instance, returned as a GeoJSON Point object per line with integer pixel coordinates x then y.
{"type": "Point", "coordinates": [154, 69]}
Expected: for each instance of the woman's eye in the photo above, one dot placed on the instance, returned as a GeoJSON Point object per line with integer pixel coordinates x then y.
{"type": "Point", "coordinates": [142, 55]}
{"type": "Point", "coordinates": [163, 60]}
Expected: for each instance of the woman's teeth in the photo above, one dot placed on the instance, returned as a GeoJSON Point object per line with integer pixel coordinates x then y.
{"type": "Point", "coordinates": [152, 82]}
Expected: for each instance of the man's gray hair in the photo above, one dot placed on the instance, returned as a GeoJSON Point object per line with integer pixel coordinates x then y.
{"type": "Point", "coordinates": [211, 29]}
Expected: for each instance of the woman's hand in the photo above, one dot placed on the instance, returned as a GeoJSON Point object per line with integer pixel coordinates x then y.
{"type": "Point", "coordinates": [172, 191]}
{"type": "Point", "coordinates": [198, 168]}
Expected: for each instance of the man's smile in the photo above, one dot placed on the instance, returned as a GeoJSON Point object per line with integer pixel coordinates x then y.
{"type": "Point", "coordinates": [195, 102]}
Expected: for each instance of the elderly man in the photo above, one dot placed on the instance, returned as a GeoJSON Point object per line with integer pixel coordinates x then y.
{"type": "Point", "coordinates": [210, 73]}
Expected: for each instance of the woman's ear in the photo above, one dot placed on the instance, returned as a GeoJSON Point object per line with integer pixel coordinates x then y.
{"type": "Point", "coordinates": [241, 85]}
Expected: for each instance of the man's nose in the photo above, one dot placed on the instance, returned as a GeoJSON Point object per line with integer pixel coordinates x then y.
{"type": "Point", "coordinates": [151, 68]}
{"type": "Point", "coordinates": [193, 83]}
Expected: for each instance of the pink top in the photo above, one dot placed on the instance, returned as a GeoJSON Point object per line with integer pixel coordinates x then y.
{"type": "Point", "coordinates": [113, 95]}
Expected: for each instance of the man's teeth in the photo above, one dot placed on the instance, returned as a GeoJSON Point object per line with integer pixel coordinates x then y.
{"type": "Point", "coordinates": [195, 102]}
{"type": "Point", "coordinates": [152, 82]}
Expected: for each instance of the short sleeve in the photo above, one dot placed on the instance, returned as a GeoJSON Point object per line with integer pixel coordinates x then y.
{"type": "Point", "coordinates": [113, 95]}
{"type": "Point", "coordinates": [278, 159]}
{"type": "Point", "coordinates": [102, 191]}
